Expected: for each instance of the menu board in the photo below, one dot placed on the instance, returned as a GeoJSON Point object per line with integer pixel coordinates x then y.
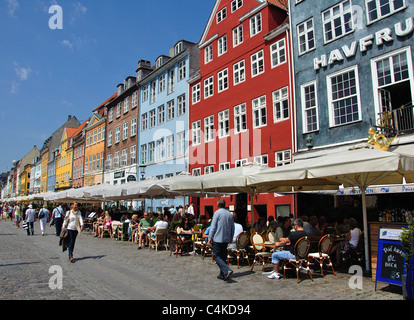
{"type": "Point", "coordinates": [390, 259]}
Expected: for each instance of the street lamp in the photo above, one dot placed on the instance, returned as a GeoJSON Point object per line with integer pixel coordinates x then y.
{"type": "Point", "coordinates": [142, 168]}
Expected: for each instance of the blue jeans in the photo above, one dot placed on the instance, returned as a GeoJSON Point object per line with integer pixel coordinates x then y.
{"type": "Point", "coordinates": [72, 234]}
{"type": "Point", "coordinates": [220, 257]}
{"type": "Point", "coordinates": [282, 255]}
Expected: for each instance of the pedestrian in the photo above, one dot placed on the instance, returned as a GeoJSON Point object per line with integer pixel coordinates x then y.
{"type": "Point", "coordinates": [220, 235]}
{"type": "Point", "coordinates": [44, 215]}
{"type": "Point", "coordinates": [74, 224]}
{"type": "Point", "coordinates": [30, 219]}
{"type": "Point", "coordinates": [17, 215]}
{"type": "Point", "coordinates": [57, 216]}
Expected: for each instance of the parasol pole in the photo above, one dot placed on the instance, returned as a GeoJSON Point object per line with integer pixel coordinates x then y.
{"type": "Point", "coordinates": [365, 219]}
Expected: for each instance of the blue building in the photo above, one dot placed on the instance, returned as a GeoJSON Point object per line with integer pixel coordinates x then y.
{"type": "Point", "coordinates": [164, 114]}
{"type": "Point", "coordinates": [353, 63]}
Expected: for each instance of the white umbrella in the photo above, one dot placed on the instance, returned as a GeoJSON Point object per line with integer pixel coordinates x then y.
{"type": "Point", "coordinates": [354, 168]}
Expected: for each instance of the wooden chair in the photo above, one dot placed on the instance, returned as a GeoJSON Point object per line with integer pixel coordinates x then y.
{"type": "Point", "coordinates": [301, 251]}
{"type": "Point", "coordinates": [324, 248]}
{"type": "Point", "coordinates": [182, 244]}
{"type": "Point", "coordinates": [114, 228]}
{"type": "Point", "coordinates": [270, 236]}
{"type": "Point", "coordinates": [242, 241]}
{"type": "Point", "coordinates": [172, 235]}
{"type": "Point", "coordinates": [260, 253]}
{"type": "Point", "coordinates": [159, 237]}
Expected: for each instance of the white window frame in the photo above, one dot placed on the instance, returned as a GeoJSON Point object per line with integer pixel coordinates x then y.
{"type": "Point", "coordinates": [196, 132]}
{"type": "Point", "coordinates": [333, 17]}
{"type": "Point", "coordinates": [208, 54]}
{"type": "Point", "coordinates": [258, 105]}
{"type": "Point", "coordinates": [181, 105]}
{"type": "Point", "coordinates": [256, 24]}
{"type": "Point", "coordinates": [309, 106]}
{"type": "Point", "coordinates": [222, 45]}
{"type": "Point", "coordinates": [223, 80]}
{"type": "Point", "coordinates": [307, 35]}
{"type": "Point", "coordinates": [196, 90]}
{"type": "Point", "coordinates": [237, 35]}
{"type": "Point", "coordinates": [125, 131]}
{"type": "Point", "coordinates": [180, 143]}
{"type": "Point", "coordinates": [170, 110]}
{"type": "Point", "coordinates": [224, 123]}
{"type": "Point", "coordinates": [208, 87]}
{"type": "Point", "coordinates": [278, 53]}
{"type": "Point", "coordinates": [262, 160]}
{"type": "Point", "coordinates": [381, 16]}
{"type": "Point", "coordinates": [209, 128]}
{"type": "Point", "coordinates": [280, 98]}
{"type": "Point", "coordinates": [182, 70]}
{"type": "Point", "coordinates": [161, 114]}
{"type": "Point", "coordinates": [133, 127]}
{"type": "Point", "coordinates": [224, 166]}
{"type": "Point", "coordinates": [117, 134]}
{"type": "Point", "coordinates": [257, 61]}
{"type": "Point", "coordinates": [239, 72]}
{"type": "Point", "coordinates": [240, 118]}
{"type": "Point", "coordinates": [283, 158]}
{"type": "Point", "coordinates": [152, 118]}
{"type": "Point", "coordinates": [144, 125]}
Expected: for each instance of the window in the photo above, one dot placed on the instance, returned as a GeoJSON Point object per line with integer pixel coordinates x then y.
{"type": "Point", "coordinates": [145, 93]}
{"type": "Point", "coordinates": [151, 151]}
{"type": "Point", "coordinates": [108, 163]}
{"type": "Point", "coordinates": [153, 91]}
{"type": "Point", "coordinates": [208, 169]}
{"type": "Point", "coordinates": [178, 48]}
{"type": "Point", "coordinates": [180, 143]}
{"type": "Point", "coordinates": [343, 96]}
{"type": "Point", "coordinates": [133, 155]}
{"type": "Point", "coordinates": [181, 105]}
{"type": "Point", "coordinates": [281, 104]}
{"type": "Point", "coordinates": [144, 122]}
{"type": "Point", "coordinates": [181, 70]}
{"type": "Point", "coordinates": [238, 72]}
{"type": "Point", "coordinates": [306, 36]}
{"type": "Point", "coordinates": [117, 135]}
{"type": "Point", "coordinates": [99, 134]}
{"type": "Point", "coordinates": [110, 138]}
{"type": "Point", "coordinates": [125, 131]}
{"type": "Point", "coordinates": [171, 81]}
{"type": "Point", "coordinates": [208, 87]}
{"type": "Point", "coordinates": [196, 172]}
{"type": "Point", "coordinates": [133, 127]}
{"type": "Point", "coordinates": [257, 63]}
{"type": "Point", "coordinates": [161, 83]}
{"type": "Point", "coordinates": [116, 160]}
{"type": "Point", "coordinates": [283, 158]}
{"type": "Point", "coordinates": [278, 53]}
{"type": "Point", "coordinates": [263, 160]}
{"type": "Point", "coordinates": [103, 132]}
{"type": "Point", "coordinates": [224, 166]}
{"type": "Point", "coordinates": [255, 24]}
{"type": "Point", "coordinates": [169, 153]}
{"type": "Point", "coordinates": [222, 45]}
{"type": "Point", "coordinates": [196, 132]}
{"type": "Point", "coordinates": [111, 115]}
{"type": "Point", "coordinates": [221, 15]}
{"type": "Point", "coordinates": [223, 80]}
{"type": "Point", "coordinates": [392, 69]}
{"type": "Point", "coordinates": [237, 35]}
{"type": "Point", "coordinates": [124, 158]}
{"type": "Point", "coordinates": [118, 110]}
{"type": "Point", "coordinates": [143, 153]}
{"type": "Point", "coordinates": [160, 149]}
{"type": "Point", "coordinates": [241, 162]}
{"type": "Point", "coordinates": [259, 112]}
{"type": "Point", "coordinates": [161, 114]}
{"type": "Point", "coordinates": [337, 21]}
{"type": "Point", "coordinates": [240, 118]}
{"type": "Point", "coordinates": [134, 102]}
{"type": "Point", "coordinates": [209, 129]}
{"type": "Point", "coordinates": [196, 93]}
{"type": "Point", "coordinates": [126, 105]}
{"type": "Point", "coordinates": [224, 125]}
{"type": "Point", "coordinates": [378, 9]}
{"type": "Point", "coordinates": [170, 110]}
{"type": "Point", "coordinates": [236, 4]}
{"type": "Point", "coordinates": [152, 118]}
{"type": "Point", "coordinates": [208, 54]}
{"type": "Point", "coordinates": [310, 107]}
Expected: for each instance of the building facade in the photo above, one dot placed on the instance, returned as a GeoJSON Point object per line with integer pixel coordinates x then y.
{"type": "Point", "coordinates": [64, 161]}
{"type": "Point", "coordinates": [78, 145]}
{"type": "Point", "coordinates": [241, 108]}
{"type": "Point", "coordinates": [164, 115]}
{"type": "Point", "coordinates": [353, 71]}
{"type": "Point", "coordinates": [120, 165]}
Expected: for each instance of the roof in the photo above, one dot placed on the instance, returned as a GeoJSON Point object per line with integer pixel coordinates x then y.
{"type": "Point", "coordinates": [100, 108]}
{"type": "Point", "coordinates": [79, 130]}
{"type": "Point", "coordinates": [282, 4]}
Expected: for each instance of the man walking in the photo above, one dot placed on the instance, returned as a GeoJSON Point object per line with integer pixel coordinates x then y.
{"type": "Point", "coordinates": [30, 219]}
{"type": "Point", "coordinates": [58, 215]}
{"type": "Point", "coordinates": [220, 235]}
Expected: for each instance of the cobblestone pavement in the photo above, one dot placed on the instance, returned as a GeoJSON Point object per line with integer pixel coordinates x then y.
{"type": "Point", "coordinates": [107, 269]}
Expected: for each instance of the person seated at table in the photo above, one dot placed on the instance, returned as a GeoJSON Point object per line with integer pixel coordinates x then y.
{"type": "Point", "coordinates": [260, 225]}
{"type": "Point", "coordinates": [133, 226]}
{"type": "Point", "coordinates": [106, 224]}
{"type": "Point", "coordinates": [288, 245]}
{"type": "Point", "coordinates": [351, 240]}
{"type": "Point", "coordinates": [312, 228]}
{"type": "Point", "coordinates": [238, 228]}
{"type": "Point", "coordinates": [175, 221]}
{"type": "Point", "coordinates": [343, 227]}
{"type": "Point", "coordinates": [186, 228]}
{"type": "Point", "coordinates": [160, 223]}
{"type": "Point", "coordinates": [283, 229]}
{"type": "Point", "coordinates": [143, 231]}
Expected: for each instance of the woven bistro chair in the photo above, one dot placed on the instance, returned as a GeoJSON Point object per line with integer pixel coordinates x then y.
{"type": "Point", "coordinates": [242, 241]}
{"type": "Point", "coordinates": [260, 253]}
{"type": "Point", "coordinates": [301, 251]}
{"type": "Point", "coordinates": [324, 248]}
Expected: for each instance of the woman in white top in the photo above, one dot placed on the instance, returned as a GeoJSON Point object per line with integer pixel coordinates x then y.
{"type": "Point", "coordinates": [74, 224]}
{"type": "Point", "coordinates": [354, 235]}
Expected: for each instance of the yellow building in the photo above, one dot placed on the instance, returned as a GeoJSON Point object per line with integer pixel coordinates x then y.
{"type": "Point", "coordinates": [44, 174]}
{"type": "Point", "coordinates": [25, 180]}
{"type": "Point", "coordinates": [64, 161]}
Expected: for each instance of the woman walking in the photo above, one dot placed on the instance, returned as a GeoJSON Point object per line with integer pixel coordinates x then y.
{"type": "Point", "coordinates": [74, 224]}
{"type": "Point", "coordinates": [44, 215]}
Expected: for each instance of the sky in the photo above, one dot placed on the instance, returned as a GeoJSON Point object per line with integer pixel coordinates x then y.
{"type": "Point", "coordinates": [47, 74]}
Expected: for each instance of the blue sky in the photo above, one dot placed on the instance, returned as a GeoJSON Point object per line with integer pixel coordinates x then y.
{"type": "Point", "coordinates": [46, 75]}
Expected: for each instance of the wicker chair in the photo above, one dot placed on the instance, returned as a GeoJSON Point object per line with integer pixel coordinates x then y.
{"type": "Point", "coordinates": [301, 251]}
{"type": "Point", "coordinates": [158, 237]}
{"type": "Point", "coordinates": [242, 241]}
{"type": "Point", "coordinates": [324, 248]}
{"type": "Point", "coordinates": [260, 253]}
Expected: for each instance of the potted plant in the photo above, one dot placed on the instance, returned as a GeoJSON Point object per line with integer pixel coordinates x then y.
{"type": "Point", "coordinates": [408, 247]}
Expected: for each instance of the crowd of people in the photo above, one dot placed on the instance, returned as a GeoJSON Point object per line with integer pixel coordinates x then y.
{"type": "Point", "coordinates": [220, 232]}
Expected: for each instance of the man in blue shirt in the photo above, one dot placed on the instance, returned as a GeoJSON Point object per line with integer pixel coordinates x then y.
{"type": "Point", "coordinates": [220, 235]}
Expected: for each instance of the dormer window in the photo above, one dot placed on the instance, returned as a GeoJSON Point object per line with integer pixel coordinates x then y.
{"type": "Point", "coordinates": [158, 62]}
{"type": "Point", "coordinates": [178, 48]}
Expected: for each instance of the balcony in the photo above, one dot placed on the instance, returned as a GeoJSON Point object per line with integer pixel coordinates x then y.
{"type": "Point", "coordinates": [396, 122]}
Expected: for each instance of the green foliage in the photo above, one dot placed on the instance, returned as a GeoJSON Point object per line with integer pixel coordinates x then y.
{"type": "Point", "coordinates": [406, 238]}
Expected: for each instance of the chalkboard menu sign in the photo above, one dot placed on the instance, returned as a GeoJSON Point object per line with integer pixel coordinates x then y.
{"type": "Point", "coordinates": [390, 259]}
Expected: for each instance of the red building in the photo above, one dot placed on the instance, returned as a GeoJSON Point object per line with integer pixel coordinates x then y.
{"type": "Point", "coordinates": [241, 109]}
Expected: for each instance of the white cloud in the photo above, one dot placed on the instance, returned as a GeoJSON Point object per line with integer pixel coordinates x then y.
{"type": "Point", "coordinates": [67, 43]}
{"type": "Point", "coordinates": [14, 87]}
{"type": "Point", "coordinates": [22, 73]}
{"type": "Point", "coordinates": [12, 6]}
{"type": "Point", "coordinates": [78, 11]}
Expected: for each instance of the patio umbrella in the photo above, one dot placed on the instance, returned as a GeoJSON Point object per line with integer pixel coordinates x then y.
{"type": "Point", "coordinates": [360, 167]}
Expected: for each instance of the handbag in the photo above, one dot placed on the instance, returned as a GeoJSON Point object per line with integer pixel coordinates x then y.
{"type": "Point", "coordinates": [25, 226]}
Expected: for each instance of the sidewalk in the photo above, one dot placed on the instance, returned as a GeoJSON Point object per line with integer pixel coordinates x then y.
{"type": "Point", "coordinates": [107, 269]}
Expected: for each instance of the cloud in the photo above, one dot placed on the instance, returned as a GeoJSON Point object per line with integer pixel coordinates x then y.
{"type": "Point", "coordinates": [14, 87]}
{"type": "Point", "coordinates": [67, 43]}
{"type": "Point", "coordinates": [12, 6]}
{"type": "Point", "coordinates": [22, 73]}
{"type": "Point", "coordinates": [78, 10]}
